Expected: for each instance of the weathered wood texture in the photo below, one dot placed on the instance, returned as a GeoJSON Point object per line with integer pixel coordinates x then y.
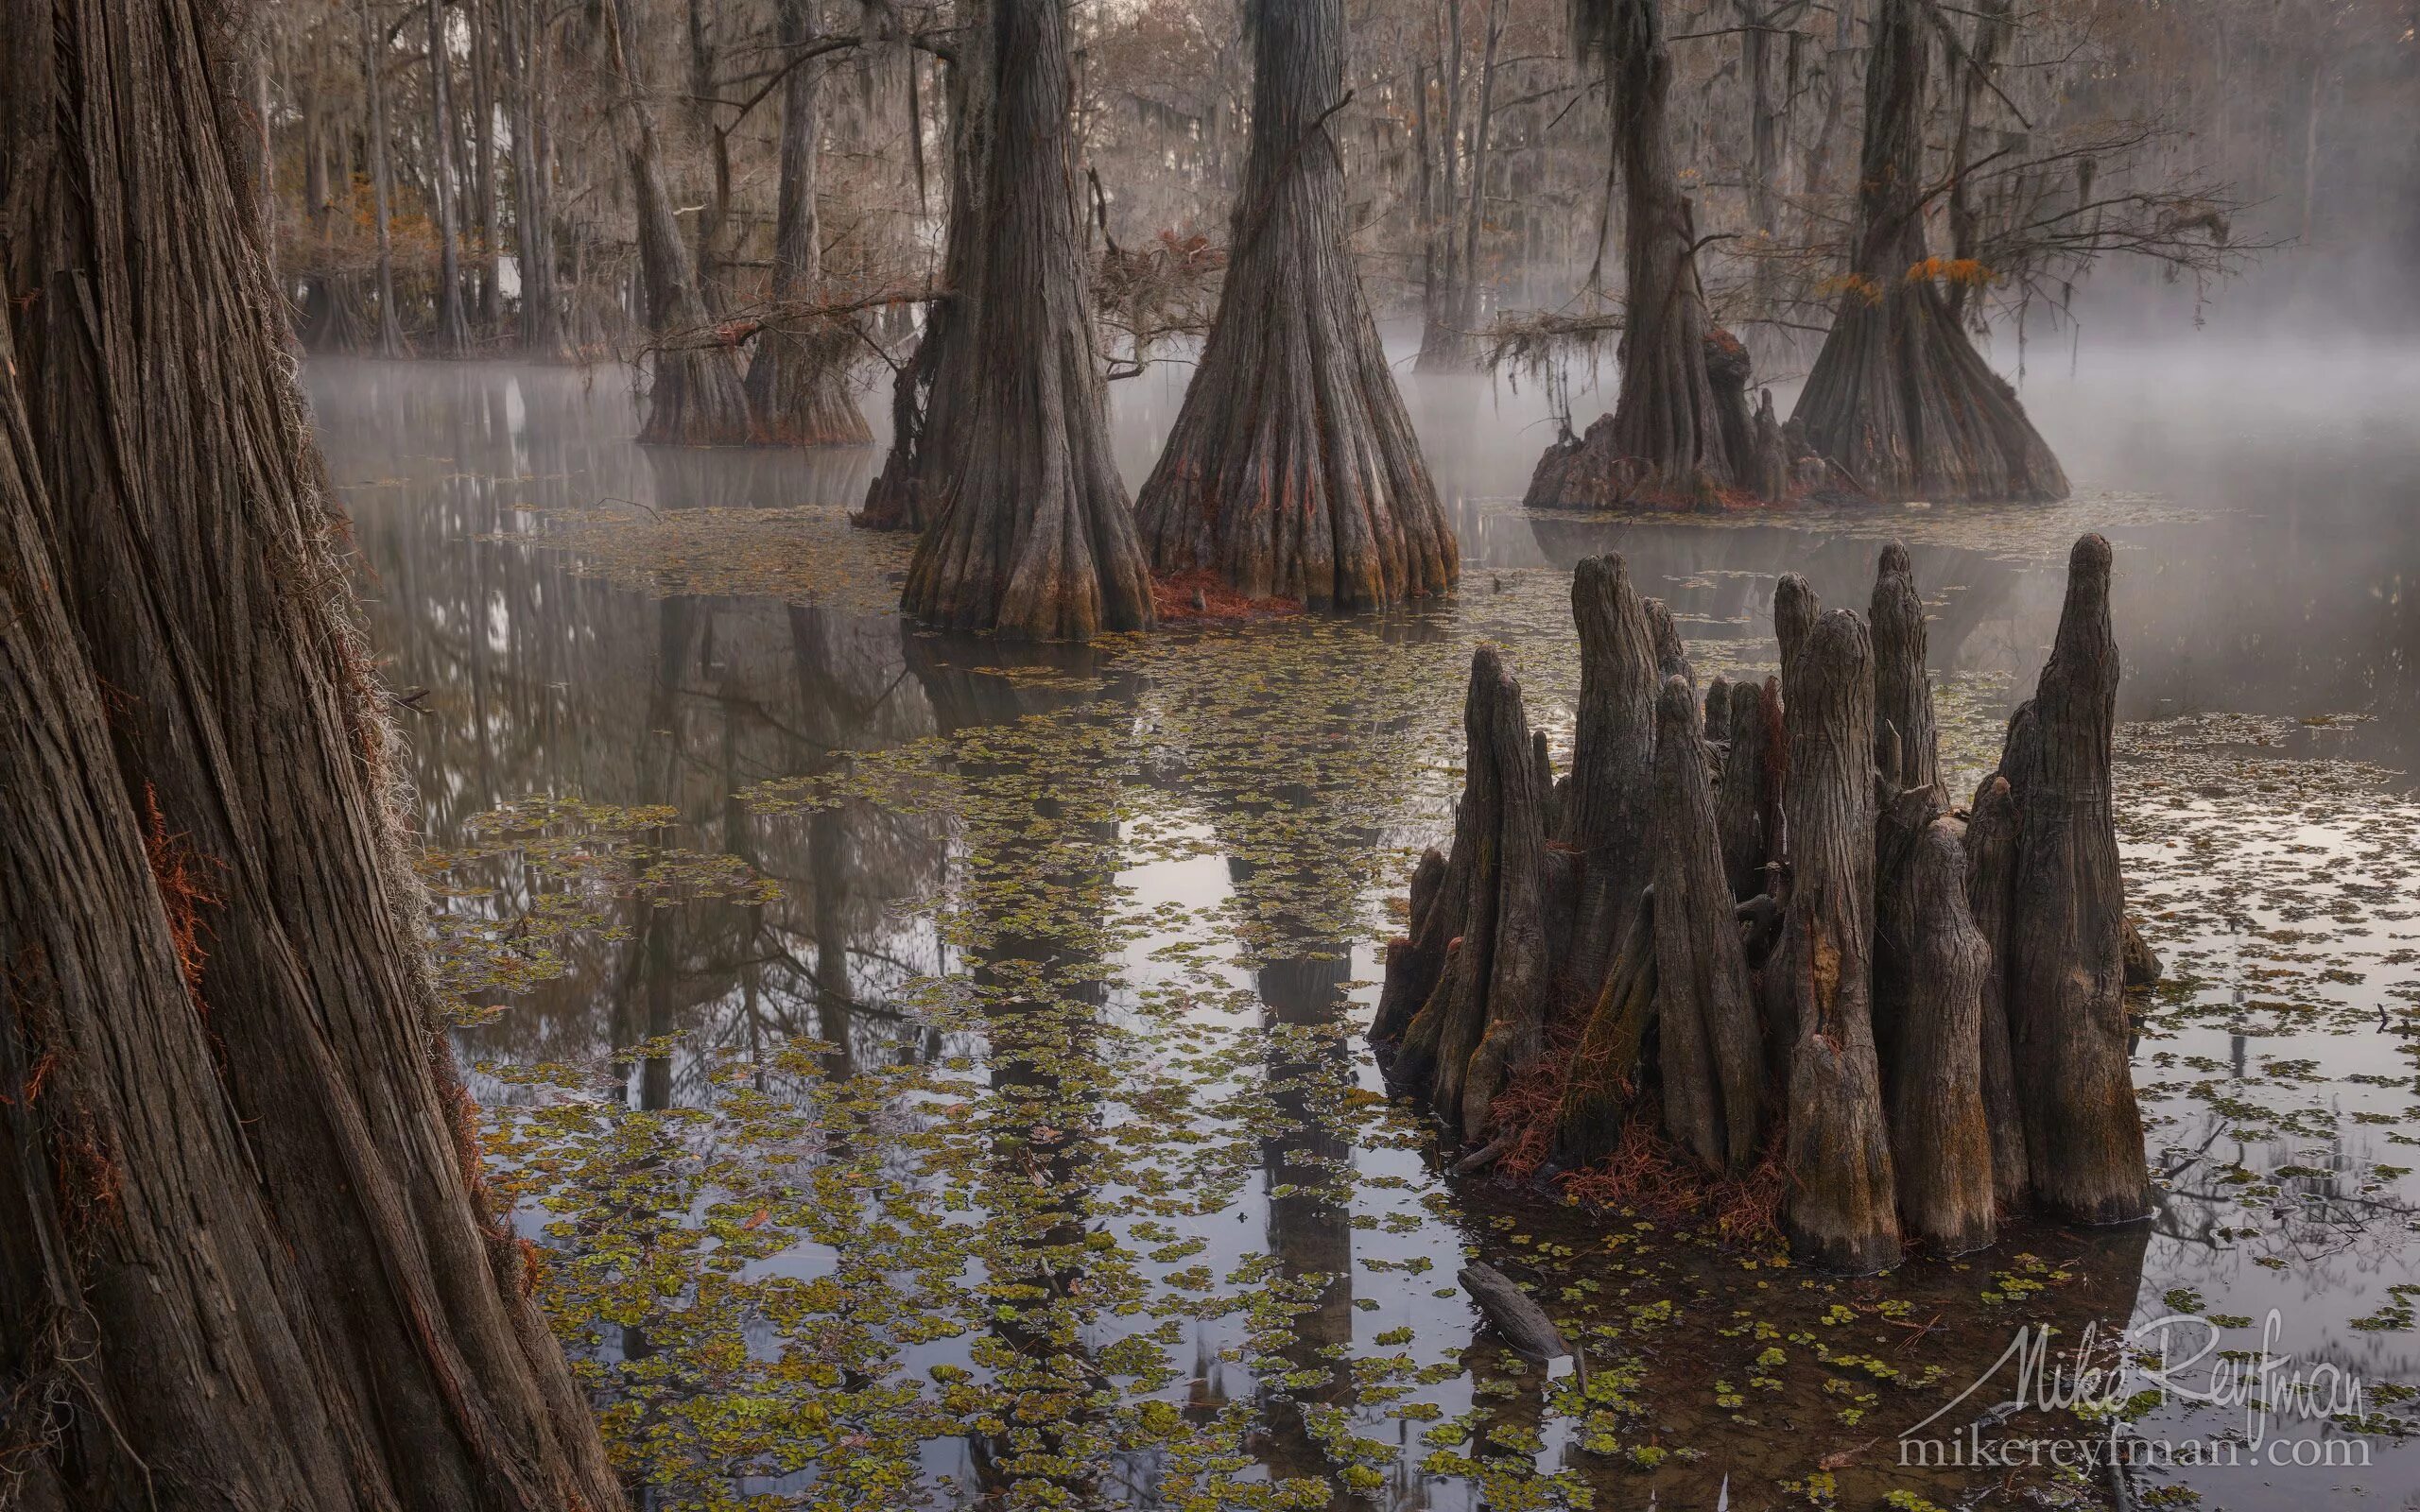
{"type": "Point", "coordinates": [1610, 806]}
{"type": "Point", "coordinates": [1293, 470]}
{"type": "Point", "coordinates": [1711, 1044]}
{"type": "Point", "coordinates": [1486, 1015]}
{"type": "Point", "coordinates": [2066, 966]}
{"type": "Point", "coordinates": [1515, 1312]}
{"type": "Point", "coordinates": [1843, 1211]}
{"type": "Point", "coordinates": [1941, 1139]}
{"type": "Point", "coordinates": [1898, 398]}
{"type": "Point", "coordinates": [245, 1259]}
{"type": "Point", "coordinates": [1033, 535]}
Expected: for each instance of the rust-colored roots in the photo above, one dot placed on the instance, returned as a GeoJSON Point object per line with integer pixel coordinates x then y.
{"type": "Point", "coordinates": [1645, 1173]}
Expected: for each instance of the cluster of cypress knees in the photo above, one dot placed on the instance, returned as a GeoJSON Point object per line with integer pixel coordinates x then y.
{"type": "Point", "coordinates": [1760, 920]}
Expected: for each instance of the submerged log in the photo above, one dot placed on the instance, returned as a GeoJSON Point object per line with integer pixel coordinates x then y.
{"type": "Point", "coordinates": [1607, 810]}
{"type": "Point", "coordinates": [1711, 1049]}
{"type": "Point", "coordinates": [2067, 969]}
{"type": "Point", "coordinates": [1515, 1312]}
{"type": "Point", "coordinates": [1991, 871]}
{"type": "Point", "coordinates": [1941, 1141]}
{"type": "Point", "coordinates": [1487, 1014]}
{"type": "Point", "coordinates": [1843, 1213]}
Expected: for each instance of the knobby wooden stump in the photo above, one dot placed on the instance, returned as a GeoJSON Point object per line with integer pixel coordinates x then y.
{"type": "Point", "coordinates": [1761, 932]}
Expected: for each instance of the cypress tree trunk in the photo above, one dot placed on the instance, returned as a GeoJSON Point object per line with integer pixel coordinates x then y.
{"type": "Point", "coordinates": [390, 341]}
{"type": "Point", "coordinates": [453, 335]}
{"type": "Point", "coordinates": [244, 1253]}
{"type": "Point", "coordinates": [694, 398]}
{"type": "Point", "coordinates": [524, 43]}
{"type": "Point", "coordinates": [1664, 444]}
{"type": "Point", "coordinates": [1293, 470]}
{"type": "Point", "coordinates": [2067, 925]}
{"type": "Point", "coordinates": [798, 385]}
{"type": "Point", "coordinates": [1034, 534]}
{"type": "Point", "coordinates": [1844, 1211]}
{"type": "Point", "coordinates": [931, 394]}
{"type": "Point", "coordinates": [1899, 398]}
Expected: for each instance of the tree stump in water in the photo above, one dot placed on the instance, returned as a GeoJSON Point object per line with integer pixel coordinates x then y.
{"type": "Point", "coordinates": [1941, 1016]}
{"type": "Point", "coordinates": [1608, 808]}
{"type": "Point", "coordinates": [1843, 1211]}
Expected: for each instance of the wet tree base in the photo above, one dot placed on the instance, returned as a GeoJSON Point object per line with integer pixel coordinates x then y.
{"type": "Point", "coordinates": [1894, 1032]}
{"type": "Point", "coordinates": [1203, 597]}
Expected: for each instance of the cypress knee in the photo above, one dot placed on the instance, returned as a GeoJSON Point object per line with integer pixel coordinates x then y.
{"type": "Point", "coordinates": [1607, 807]}
{"type": "Point", "coordinates": [1991, 870]}
{"type": "Point", "coordinates": [1740, 805]}
{"type": "Point", "coordinates": [1902, 691]}
{"type": "Point", "coordinates": [1843, 1209]}
{"type": "Point", "coordinates": [2067, 969]}
{"type": "Point", "coordinates": [1487, 1012]}
{"type": "Point", "coordinates": [1416, 958]}
{"type": "Point", "coordinates": [1711, 1051]}
{"type": "Point", "coordinates": [1941, 1141]}
{"type": "Point", "coordinates": [1597, 1087]}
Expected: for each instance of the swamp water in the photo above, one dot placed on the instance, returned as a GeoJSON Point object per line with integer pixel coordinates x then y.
{"type": "Point", "coordinates": [933, 1071]}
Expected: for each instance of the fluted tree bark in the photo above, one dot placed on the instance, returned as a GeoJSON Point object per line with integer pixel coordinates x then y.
{"type": "Point", "coordinates": [932, 396]}
{"type": "Point", "coordinates": [244, 1255]}
{"type": "Point", "coordinates": [1843, 1213]}
{"type": "Point", "coordinates": [2067, 925]}
{"type": "Point", "coordinates": [1293, 470]}
{"type": "Point", "coordinates": [798, 382]}
{"type": "Point", "coordinates": [694, 395]}
{"type": "Point", "coordinates": [1899, 398]}
{"type": "Point", "coordinates": [1034, 534]}
{"type": "Point", "coordinates": [1670, 439]}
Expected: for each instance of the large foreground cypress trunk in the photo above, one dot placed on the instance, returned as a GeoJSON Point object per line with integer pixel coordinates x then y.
{"type": "Point", "coordinates": [1899, 398]}
{"type": "Point", "coordinates": [798, 386]}
{"type": "Point", "coordinates": [244, 1255]}
{"type": "Point", "coordinates": [1677, 436]}
{"type": "Point", "coordinates": [1034, 534]}
{"type": "Point", "coordinates": [1942, 1017]}
{"type": "Point", "coordinates": [1293, 470]}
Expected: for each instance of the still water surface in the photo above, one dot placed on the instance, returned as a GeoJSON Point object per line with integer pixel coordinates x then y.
{"type": "Point", "coordinates": [934, 1070]}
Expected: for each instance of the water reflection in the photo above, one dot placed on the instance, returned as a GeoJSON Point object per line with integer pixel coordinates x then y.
{"type": "Point", "coordinates": [2271, 582]}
